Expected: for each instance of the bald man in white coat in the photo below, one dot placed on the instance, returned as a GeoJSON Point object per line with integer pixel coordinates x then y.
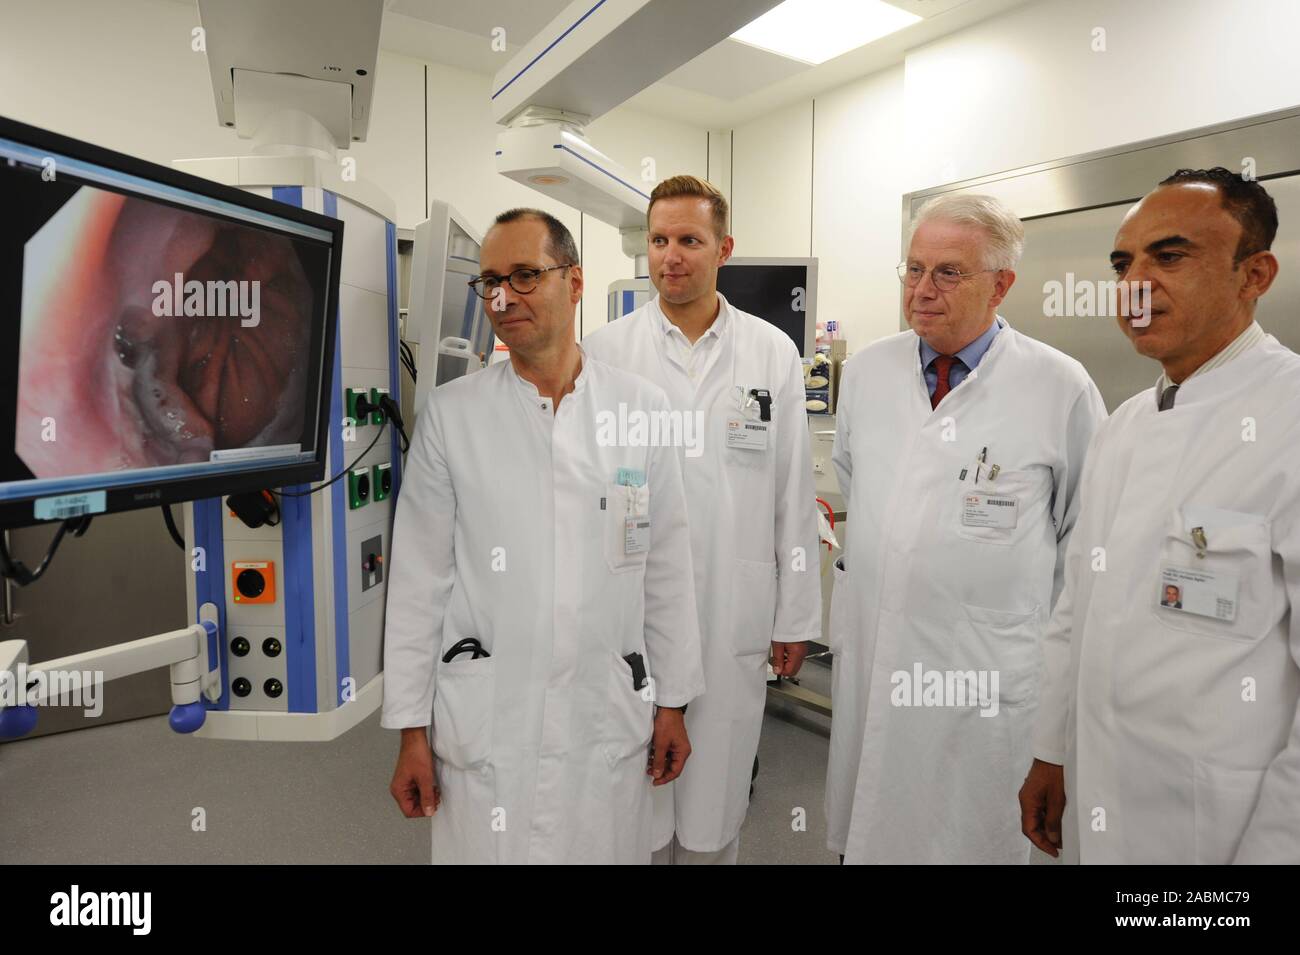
{"type": "Point", "coordinates": [1169, 730]}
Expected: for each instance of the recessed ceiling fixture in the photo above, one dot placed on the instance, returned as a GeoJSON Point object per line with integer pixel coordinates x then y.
{"type": "Point", "coordinates": [814, 31]}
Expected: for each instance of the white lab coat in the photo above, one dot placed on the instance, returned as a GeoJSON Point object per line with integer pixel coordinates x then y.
{"type": "Point", "coordinates": [510, 527]}
{"type": "Point", "coordinates": [938, 784]}
{"type": "Point", "coordinates": [1181, 733]}
{"type": "Point", "coordinates": [753, 527]}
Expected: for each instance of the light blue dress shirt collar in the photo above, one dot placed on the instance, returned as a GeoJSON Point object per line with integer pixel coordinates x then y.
{"type": "Point", "coordinates": [970, 357]}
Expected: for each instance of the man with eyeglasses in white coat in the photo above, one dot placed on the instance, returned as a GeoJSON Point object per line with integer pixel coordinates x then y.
{"type": "Point", "coordinates": [541, 615]}
{"type": "Point", "coordinates": [1174, 724]}
{"type": "Point", "coordinates": [751, 500]}
{"type": "Point", "coordinates": [959, 446]}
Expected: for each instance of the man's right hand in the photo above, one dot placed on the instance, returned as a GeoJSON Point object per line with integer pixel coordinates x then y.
{"type": "Point", "coordinates": [413, 786]}
{"type": "Point", "coordinates": [670, 747]}
{"type": "Point", "coordinates": [1042, 802]}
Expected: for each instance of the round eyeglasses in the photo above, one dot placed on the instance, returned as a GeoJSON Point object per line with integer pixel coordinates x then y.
{"type": "Point", "coordinates": [522, 281]}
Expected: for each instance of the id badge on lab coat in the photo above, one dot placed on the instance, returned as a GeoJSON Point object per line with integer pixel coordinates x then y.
{"type": "Point", "coordinates": [745, 428]}
{"type": "Point", "coordinates": [1206, 594]}
{"type": "Point", "coordinates": [636, 535]}
{"type": "Point", "coordinates": [989, 510]}
{"type": "Point", "coordinates": [631, 503]}
{"type": "Point", "coordinates": [746, 434]}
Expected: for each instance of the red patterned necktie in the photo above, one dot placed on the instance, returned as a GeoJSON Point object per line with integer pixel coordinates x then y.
{"type": "Point", "coordinates": [942, 365]}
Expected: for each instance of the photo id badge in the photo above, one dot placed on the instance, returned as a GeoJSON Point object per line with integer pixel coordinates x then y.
{"type": "Point", "coordinates": [636, 535]}
{"type": "Point", "coordinates": [747, 434]}
{"type": "Point", "coordinates": [989, 510]}
{"type": "Point", "coordinates": [1200, 592]}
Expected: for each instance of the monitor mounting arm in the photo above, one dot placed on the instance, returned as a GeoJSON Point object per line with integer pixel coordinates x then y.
{"type": "Point", "coordinates": [586, 61]}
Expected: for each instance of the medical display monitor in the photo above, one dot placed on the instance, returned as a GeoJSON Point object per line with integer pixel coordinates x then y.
{"type": "Point", "coordinates": [782, 292]}
{"type": "Point", "coordinates": [162, 337]}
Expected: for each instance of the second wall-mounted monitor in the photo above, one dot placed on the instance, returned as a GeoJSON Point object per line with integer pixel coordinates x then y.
{"type": "Point", "coordinates": [780, 291]}
{"type": "Point", "coordinates": [446, 320]}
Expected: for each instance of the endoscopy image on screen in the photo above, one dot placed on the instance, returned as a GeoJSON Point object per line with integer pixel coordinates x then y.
{"type": "Point", "coordinates": [155, 336]}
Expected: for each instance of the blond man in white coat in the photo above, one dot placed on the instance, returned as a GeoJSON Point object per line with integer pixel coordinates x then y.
{"type": "Point", "coordinates": [1174, 725]}
{"type": "Point", "coordinates": [541, 616]}
{"type": "Point", "coordinates": [752, 504]}
{"type": "Point", "coordinates": [958, 447]}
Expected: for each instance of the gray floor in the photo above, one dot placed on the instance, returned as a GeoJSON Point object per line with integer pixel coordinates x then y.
{"type": "Point", "coordinates": [128, 793]}
{"type": "Point", "coordinates": [791, 775]}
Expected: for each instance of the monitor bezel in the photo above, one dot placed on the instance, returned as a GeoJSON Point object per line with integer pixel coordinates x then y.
{"type": "Point", "coordinates": [19, 512]}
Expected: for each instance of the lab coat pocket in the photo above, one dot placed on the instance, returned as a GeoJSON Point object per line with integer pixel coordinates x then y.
{"type": "Point", "coordinates": [1006, 645]}
{"type": "Point", "coordinates": [983, 510]}
{"type": "Point", "coordinates": [629, 714]}
{"type": "Point", "coordinates": [622, 502]}
{"type": "Point", "coordinates": [753, 605]}
{"type": "Point", "coordinates": [1223, 801]}
{"type": "Point", "coordinates": [1240, 552]}
{"type": "Point", "coordinates": [462, 712]}
{"type": "Point", "coordinates": [837, 624]}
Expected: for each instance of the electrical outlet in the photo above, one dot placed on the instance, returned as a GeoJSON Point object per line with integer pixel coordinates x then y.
{"type": "Point", "coordinates": [359, 488]}
{"type": "Point", "coordinates": [377, 416]}
{"type": "Point", "coordinates": [253, 581]}
{"type": "Point", "coordinates": [381, 481]}
{"type": "Point", "coordinates": [350, 402]}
